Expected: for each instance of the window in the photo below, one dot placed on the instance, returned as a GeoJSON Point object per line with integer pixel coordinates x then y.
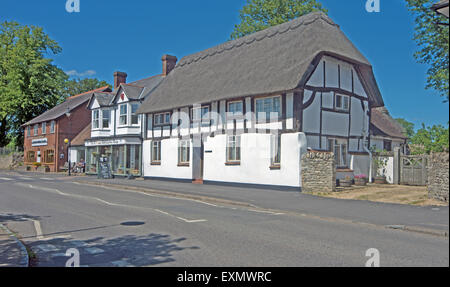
{"type": "Point", "coordinates": [106, 116]}
{"type": "Point", "coordinates": [342, 102]}
{"type": "Point", "coordinates": [52, 127]}
{"type": "Point", "coordinates": [31, 156]}
{"type": "Point", "coordinates": [49, 156]}
{"type": "Point", "coordinates": [156, 152]}
{"type": "Point", "coordinates": [200, 114]}
{"type": "Point", "coordinates": [134, 116]}
{"type": "Point", "coordinates": [387, 145]}
{"type": "Point", "coordinates": [267, 106]}
{"type": "Point", "coordinates": [36, 130]}
{"type": "Point", "coordinates": [233, 149]}
{"type": "Point", "coordinates": [183, 152]}
{"type": "Point", "coordinates": [95, 119]}
{"type": "Point", "coordinates": [44, 128]}
{"type": "Point", "coordinates": [162, 119]}
{"type": "Point", "coordinates": [275, 146]}
{"type": "Point", "coordinates": [339, 148]}
{"type": "Point", "coordinates": [28, 131]}
{"type": "Point", "coordinates": [235, 108]}
{"type": "Point", "coordinates": [123, 114]}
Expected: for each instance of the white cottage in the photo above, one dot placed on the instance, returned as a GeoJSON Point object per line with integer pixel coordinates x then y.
{"type": "Point", "coordinates": [245, 111]}
{"type": "Point", "coordinates": [117, 129]}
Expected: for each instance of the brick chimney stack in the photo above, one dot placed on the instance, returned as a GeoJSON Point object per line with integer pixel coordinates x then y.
{"type": "Point", "coordinates": [169, 63]}
{"type": "Point", "coordinates": [119, 78]}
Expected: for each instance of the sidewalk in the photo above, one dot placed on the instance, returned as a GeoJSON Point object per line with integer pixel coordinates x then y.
{"type": "Point", "coordinates": [12, 251]}
{"type": "Point", "coordinates": [384, 214]}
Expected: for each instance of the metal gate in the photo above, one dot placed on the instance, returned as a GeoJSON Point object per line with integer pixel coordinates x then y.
{"type": "Point", "coordinates": [413, 169]}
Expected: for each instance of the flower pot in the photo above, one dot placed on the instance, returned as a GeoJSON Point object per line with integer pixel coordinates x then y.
{"type": "Point", "coordinates": [47, 169]}
{"type": "Point", "coordinates": [360, 182]}
{"type": "Point", "coordinates": [380, 180]}
{"type": "Point", "coordinates": [345, 183]}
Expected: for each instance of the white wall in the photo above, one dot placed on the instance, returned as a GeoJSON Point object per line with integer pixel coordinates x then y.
{"type": "Point", "coordinates": [360, 164]}
{"type": "Point", "coordinates": [388, 171]}
{"type": "Point", "coordinates": [255, 161]}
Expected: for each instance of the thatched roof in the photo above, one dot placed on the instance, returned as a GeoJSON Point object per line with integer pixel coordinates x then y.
{"type": "Point", "coordinates": [382, 124]}
{"type": "Point", "coordinates": [277, 59]}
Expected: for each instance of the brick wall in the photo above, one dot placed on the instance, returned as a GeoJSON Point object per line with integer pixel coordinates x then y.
{"type": "Point", "coordinates": [438, 170]}
{"type": "Point", "coordinates": [318, 172]}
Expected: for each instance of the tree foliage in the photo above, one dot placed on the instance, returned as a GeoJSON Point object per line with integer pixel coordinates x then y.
{"type": "Point", "coordinates": [433, 43]}
{"type": "Point", "coordinates": [79, 86]}
{"type": "Point", "coordinates": [430, 139]}
{"type": "Point", "coordinates": [408, 127]}
{"type": "Point", "coordinates": [29, 83]}
{"type": "Point", "coordinates": [258, 15]}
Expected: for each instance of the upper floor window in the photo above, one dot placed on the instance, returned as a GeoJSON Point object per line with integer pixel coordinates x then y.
{"type": "Point", "coordinates": [95, 119]}
{"type": "Point", "coordinates": [36, 130]}
{"type": "Point", "coordinates": [236, 108]}
{"type": "Point", "coordinates": [342, 102]}
{"type": "Point", "coordinates": [134, 115]}
{"type": "Point", "coordinates": [268, 107]}
{"type": "Point", "coordinates": [106, 118]}
{"type": "Point", "coordinates": [123, 115]}
{"type": "Point", "coordinates": [44, 128]}
{"type": "Point", "coordinates": [52, 127]}
{"type": "Point", "coordinates": [200, 114]}
{"type": "Point", "coordinates": [28, 131]}
{"type": "Point", "coordinates": [162, 119]}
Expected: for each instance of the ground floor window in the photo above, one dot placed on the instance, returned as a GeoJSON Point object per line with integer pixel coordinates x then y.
{"type": "Point", "coordinates": [339, 148]}
{"type": "Point", "coordinates": [31, 156]}
{"type": "Point", "coordinates": [234, 148]}
{"type": "Point", "coordinates": [156, 151]}
{"type": "Point", "coordinates": [123, 159]}
{"type": "Point", "coordinates": [387, 145]}
{"type": "Point", "coordinates": [275, 146]}
{"type": "Point", "coordinates": [91, 160]}
{"type": "Point", "coordinates": [49, 156]}
{"type": "Point", "coordinates": [183, 152]}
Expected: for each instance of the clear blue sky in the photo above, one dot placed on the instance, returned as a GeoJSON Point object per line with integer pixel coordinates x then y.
{"type": "Point", "coordinates": [131, 36]}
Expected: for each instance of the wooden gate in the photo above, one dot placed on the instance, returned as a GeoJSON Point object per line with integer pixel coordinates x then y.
{"type": "Point", "coordinates": [413, 169]}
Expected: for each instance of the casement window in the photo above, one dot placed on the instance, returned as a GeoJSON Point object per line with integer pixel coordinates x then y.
{"type": "Point", "coordinates": [106, 118]}
{"type": "Point", "coordinates": [200, 114]}
{"type": "Point", "coordinates": [236, 108]}
{"type": "Point", "coordinates": [339, 148]}
{"type": "Point", "coordinates": [49, 156]}
{"type": "Point", "coordinates": [183, 152]}
{"type": "Point", "coordinates": [123, 115]}
{"type": "Point", "coordinates": [156, 152]}
{"type": "Point", "coordinates": [31, 156]}
{"type": "Point", "coordinates": [275, 153]}
{"type": "Point", "coordinates": [267, 107]}
{"type": "Point", "coordinates": [233, 149]}
{"type": "Point", "coordinates": [28, 131]}
{"type": "Point", "coordinates": [134, 115]}
{"type": "Point", "coordinates": [44, 128]}
{"type": "Point", "coordinates": [95, 119]}
{"type": "Point", "coordinates": [36, 130]}
{"type": "Point", "coordinates": [342, 103]}
{"type": "Point", "coordinates": [162, 119]}
{"type": "Point", "coordinates": [387, 145]}
{"type": "Point", "coordinates": [52, 127]}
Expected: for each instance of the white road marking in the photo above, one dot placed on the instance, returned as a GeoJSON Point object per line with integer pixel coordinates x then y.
{"type": "Point", "coordinates": [5, 178]}
{"type": "Point", "coordinates": [26, 178]}
{"type": "Point", "coordinates": [180, 218]}
{"type": "Point", "coordinates": [37, 226]}
{"type": "Point", "coordinates": [265, 211]}
{"type": "Point", "coordinates": [94, 250]}
{"type": "Point", "coordinates": [46, 178]}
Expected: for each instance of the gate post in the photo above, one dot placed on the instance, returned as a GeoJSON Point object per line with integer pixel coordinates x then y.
{"type": "Point", "coordinates": [397, 154]}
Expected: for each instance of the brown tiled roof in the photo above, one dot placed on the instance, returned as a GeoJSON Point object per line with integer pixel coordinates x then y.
{"type": "Point", "coordinates": [84, 135]}
{"type": "Point", "coordinates": [382, 124]}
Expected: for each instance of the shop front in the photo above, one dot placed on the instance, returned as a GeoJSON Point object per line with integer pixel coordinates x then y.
{"type": "Point", "coordinates": [124, 155]}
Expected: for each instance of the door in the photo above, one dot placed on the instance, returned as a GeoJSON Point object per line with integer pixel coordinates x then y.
{"type": "Point", "coordinates": [197, 159]}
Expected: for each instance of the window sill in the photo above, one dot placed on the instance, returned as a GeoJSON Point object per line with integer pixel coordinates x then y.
{"type": "Point", "coordinates": [236, 163]}
{"type": "Point", "coordinates": [343, 169]}
{"type": "Point", "coordinates": [183, 165]}
{"type": "Point", "coordinates": [275, 167]}
{"type": "Point", "coordinates": [155, 163]}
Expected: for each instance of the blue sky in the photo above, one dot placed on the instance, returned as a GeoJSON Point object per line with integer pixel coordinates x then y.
{"type": "Point", "coordinates": [131, 36]}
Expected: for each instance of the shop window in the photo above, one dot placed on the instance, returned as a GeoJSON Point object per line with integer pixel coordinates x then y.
{"type": "Point", "coordinates": [31, 156]}
{"type": "Point", "coordinates": [49, 156]}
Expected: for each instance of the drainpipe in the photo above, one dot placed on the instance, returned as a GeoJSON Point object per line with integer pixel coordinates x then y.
{"type": "Point", "coordinates": [366, 149]}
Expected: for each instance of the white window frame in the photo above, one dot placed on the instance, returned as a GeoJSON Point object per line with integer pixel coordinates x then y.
{"type": "Point", "coordinates": [28, 131]}
{"type": "Point", "coordinates": [233, 143]}
{"type": "Point", "coordinates": [165, 119]}
{"type": "Point", "coordinates": [52, 127]}
{"type": "Point", "coordinates": [268, 114]}
{"type": "Point", "coordinates": [134, 114]}
{"type": "Point", "coordinates": [96, 119]}
{"type": "Point", "coordinates": [123, 115]}
{"type": "Point", "coordinates": [157, 145]}
{"type": "Point", "coordinates": [36, 130]}
{"type": "Point", "coordinates": [342, 155]}
{"type": "Point", "coordinates": [103, 119]}
{"type": "Point", "coordinates": [44, 128]}
{"type": "Point", "coordinates": [275, 150]}
{"type": "Point", "coordinates": [202, 118]}
{"type": "Point", "coordinates": [235, 113]}
{"type": "Point", "coordinates": [184, 150]}
{"type": "Point", "coordinates": [345, 102]}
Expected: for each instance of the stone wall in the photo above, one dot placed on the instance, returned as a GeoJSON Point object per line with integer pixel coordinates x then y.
{"type": "Point", "coordinates": [318, 172]}
{"type": "Point", "coordinates": [11, 161]}
{"type": "Point", "coordinates": [438, 169]}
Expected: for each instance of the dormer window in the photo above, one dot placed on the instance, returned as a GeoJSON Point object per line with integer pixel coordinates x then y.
{"type": "Point", "coordinates": [134, 115]}
{"type": "Point", "coordinates": [106, 116]}
{"type": "Point", "coordinates": [123, 115]}
{"type": "Point", "coordinates": [95, 119]}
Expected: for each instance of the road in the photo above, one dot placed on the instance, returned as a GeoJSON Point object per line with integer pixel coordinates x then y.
{"type": "Point", "coordinates": [116, 227]}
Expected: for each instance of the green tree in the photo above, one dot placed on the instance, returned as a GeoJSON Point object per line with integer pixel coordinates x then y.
{"type": "Point", "coordinates": [258, 15]}
{"type": "Point", "coordinates": [433, 43]}
{"type": "Point", "coordinates": [29, 83]}
{"type": "Point", "coordinates": [408, 127]}
{"type": "Point", "coordinates": [430, 139]}
{"type": "Point", "coordinates": [79, 86]}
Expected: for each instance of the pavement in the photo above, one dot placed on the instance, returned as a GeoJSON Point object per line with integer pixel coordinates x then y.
{"type": "Point", "coordinates": [118, 225]}
{"type": "Point", "coordinates": [12, 252]}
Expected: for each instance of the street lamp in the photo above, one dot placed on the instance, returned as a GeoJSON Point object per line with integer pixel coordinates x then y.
{"type": "Point", "coordinates": [67, 141]}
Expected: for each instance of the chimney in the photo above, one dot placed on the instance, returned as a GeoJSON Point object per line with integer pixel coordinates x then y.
{"type": "Point", "coordinates": [119, 78]}
{"type": "Point", "coordinates": [169, 63]}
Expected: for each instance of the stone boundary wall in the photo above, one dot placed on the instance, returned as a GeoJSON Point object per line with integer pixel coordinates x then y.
{"type": "Point", "coordinates": [318, 172]}
{"type": "Point", "coordinates": [438, 169]}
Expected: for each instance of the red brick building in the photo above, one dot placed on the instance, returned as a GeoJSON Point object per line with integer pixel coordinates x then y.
{"type": "Point", "coordinates": [45, 134]}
